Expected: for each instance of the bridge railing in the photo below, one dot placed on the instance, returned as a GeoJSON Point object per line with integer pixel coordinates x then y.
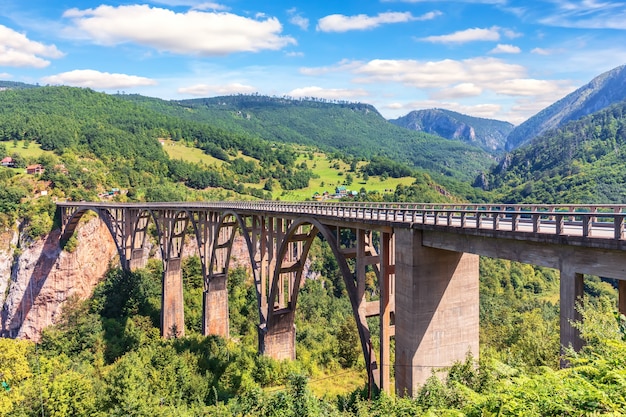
{"type": "Point", "coordinates": [597, 221]}
{"type": "Point", "coordinates": [601, 220]}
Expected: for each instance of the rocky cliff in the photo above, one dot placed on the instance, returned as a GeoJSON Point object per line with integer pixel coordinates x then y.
{"type": "Point", "coordinates": [38, 277]}
{"type": "Point", "coordinates": [487, 134]}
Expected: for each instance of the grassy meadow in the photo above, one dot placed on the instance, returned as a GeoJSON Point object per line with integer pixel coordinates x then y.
{"type": "Point", "coordinates": [330, 173]}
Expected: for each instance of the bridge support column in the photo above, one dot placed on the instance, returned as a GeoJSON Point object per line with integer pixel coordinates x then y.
{"type": "Point", "coordinates": [436, 309]}
{"type": "Point", "coordinates": [215, 307]}
{"type": "Point", "coordinates": [571, 289]}
{"type": "Point", "coordinates": [622, 296]}
{"type": "Point", "coordinates": [138, 259]}
{"type": "Point", "coordinates": [172, 306]}
{"type": "Point", "coordinates": [279, 341]}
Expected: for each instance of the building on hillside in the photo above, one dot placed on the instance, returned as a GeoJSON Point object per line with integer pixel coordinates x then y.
{"type": "Point", "coordinates": [341, 191]}
{"type": "Point", "coordinates": [8, 162]}
{"type": "Point", "coordinates": [34, 169]}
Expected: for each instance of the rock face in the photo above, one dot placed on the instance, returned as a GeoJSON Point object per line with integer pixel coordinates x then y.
{"type": "Point", "coordinates": [8, 242]}
{"type": "Point", "coordinates": [487, 134]}
{"type": "Point", "coordinates": [43, 277]}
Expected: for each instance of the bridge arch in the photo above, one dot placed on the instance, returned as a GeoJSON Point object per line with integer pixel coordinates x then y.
{"type": "Point", "coordinates": [215, 271]}
{"type": "Point", "coordinates": [280, 326]}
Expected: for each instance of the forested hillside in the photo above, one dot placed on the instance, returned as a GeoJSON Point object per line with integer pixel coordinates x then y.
{"type": "Point", "coordinates": [82, 126]}
{"type": "Point", "coordinates": [581, 162]}
{"type": "Point", "coordinates": [351, 128]}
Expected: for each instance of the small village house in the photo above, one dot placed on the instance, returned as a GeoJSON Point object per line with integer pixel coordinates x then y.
{"type": "Point", "coordinates": [8, 162]}
{"type": "Point", "coordinates": [34, 169]}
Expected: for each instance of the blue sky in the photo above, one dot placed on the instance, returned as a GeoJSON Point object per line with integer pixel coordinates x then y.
{"type": "Point", "coordinates": [500, 59]}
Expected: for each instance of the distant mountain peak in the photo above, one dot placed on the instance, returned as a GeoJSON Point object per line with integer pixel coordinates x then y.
{"type": "Point", "coordinates": [487, 134]}
{"type": "Point", "coordinates": [601, 92]}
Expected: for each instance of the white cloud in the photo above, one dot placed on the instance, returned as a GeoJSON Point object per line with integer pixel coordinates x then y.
{"type": "Point", "coordinates": [468, 35]}
{"type": "Point", "coordinates": [297, 19]}
{"type": "Point", "coordinates": [587, 14]}
{"type": "Point", "coordinates": [5, 75]}
{"type": "Point", "coordinates": [194, 4]}
{"type": "Point", "coordinates": [489, 80]}
{"type": "Point", "coordinates": [193, 32]}
{"type": "Point", "coordinates": [505, 49]}
{"type": "Point", "coordinates": [16, 50]}
{"type": "Point", "coordinates": [342, 23]}
{"type": "Point", "coordinates": [341, 66]}
{"type": "Point", "coordinates": [328, 93]}
{"type": "Point", "coordinates": [97, 80]}
{"type": "Point", "coordinates": [439, 74]}
{"type": "Point", "coordinates": [460, 90]}
{"type": "Point", "coordinates": [204, 90]}
{"type": "Point", "coordinates": [531, 87]}
{"type": "Point", "coordinates": [541, 51]}
{"type": "Point", "coordinates": [210, 6]}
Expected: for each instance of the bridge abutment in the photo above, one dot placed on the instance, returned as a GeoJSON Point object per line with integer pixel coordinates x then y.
{"type": "Point", "coordinates": [215, 305]}
{"type": "Point", "coordinates": [436, 309]}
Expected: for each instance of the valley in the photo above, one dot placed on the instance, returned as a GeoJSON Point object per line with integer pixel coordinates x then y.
{"type": "Point", "coordinates": [99, 351]}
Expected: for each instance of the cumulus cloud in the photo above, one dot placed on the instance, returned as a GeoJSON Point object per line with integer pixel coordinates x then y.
{"type": "Point", "coordinates": [439, 74]}
{"type": "Point", "coordinates": [460, 90]}
{"type": "Point", "coordinates": [16, 50]}
{"type": "Point", "coordinates": [328, 93]}
{"type": "Point", "coordinates": [468, 35]}
{"type": "Point", "coordinates": [217, 89]}
{"type": "Point", "coordinates": [5, 75]}
{"type": "Point", "coordinates": [505, 49]}
{"type": "Point", "coordinates": [194, 32]}
{"type": "Point", "coordinates": [450, 80]}
{"type": "Point", "coordinates": [97, 80]}
{"type": "Point", "coordinates": [342, 23]}
{"type": "Point", "coordinates": [532, 87]}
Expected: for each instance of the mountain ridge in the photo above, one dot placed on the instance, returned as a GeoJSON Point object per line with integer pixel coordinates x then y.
{"type": "Point", "coordinates": [488, 134]}
{"type": "Point", "coordinates": [604, 90]}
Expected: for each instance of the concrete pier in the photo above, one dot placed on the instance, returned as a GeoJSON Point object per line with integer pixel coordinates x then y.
{"type": "Point", "coordinates": [172, 309]}
{"type": "Point", "coordinates": [215, 307]}
{"type": "Point", "coordinates": [279, 340]}
{"type": "Point", "coordinates": [436, 309]}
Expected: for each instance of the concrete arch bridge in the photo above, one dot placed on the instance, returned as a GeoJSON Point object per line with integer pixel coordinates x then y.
{"type": "Point", "coordinates": [424, 255]}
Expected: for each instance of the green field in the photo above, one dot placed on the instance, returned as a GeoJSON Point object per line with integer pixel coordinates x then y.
{"type": "Point", "coordinates": [178, 150]}
{"type": "Point", "coordinates": [330, 173]}
{"type": "Point", "coordinates": [30, 151]}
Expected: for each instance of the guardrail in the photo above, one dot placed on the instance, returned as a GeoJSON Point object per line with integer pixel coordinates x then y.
{"type": "Point", "coordinates": [592, 221]}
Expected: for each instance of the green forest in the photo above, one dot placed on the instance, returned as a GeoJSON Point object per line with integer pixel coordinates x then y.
{"type": "Point", "coordinates": [105, 356]}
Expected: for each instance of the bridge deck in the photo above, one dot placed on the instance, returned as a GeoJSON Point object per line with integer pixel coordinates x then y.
{"type": "Point", "coordinates": [598, 226]}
